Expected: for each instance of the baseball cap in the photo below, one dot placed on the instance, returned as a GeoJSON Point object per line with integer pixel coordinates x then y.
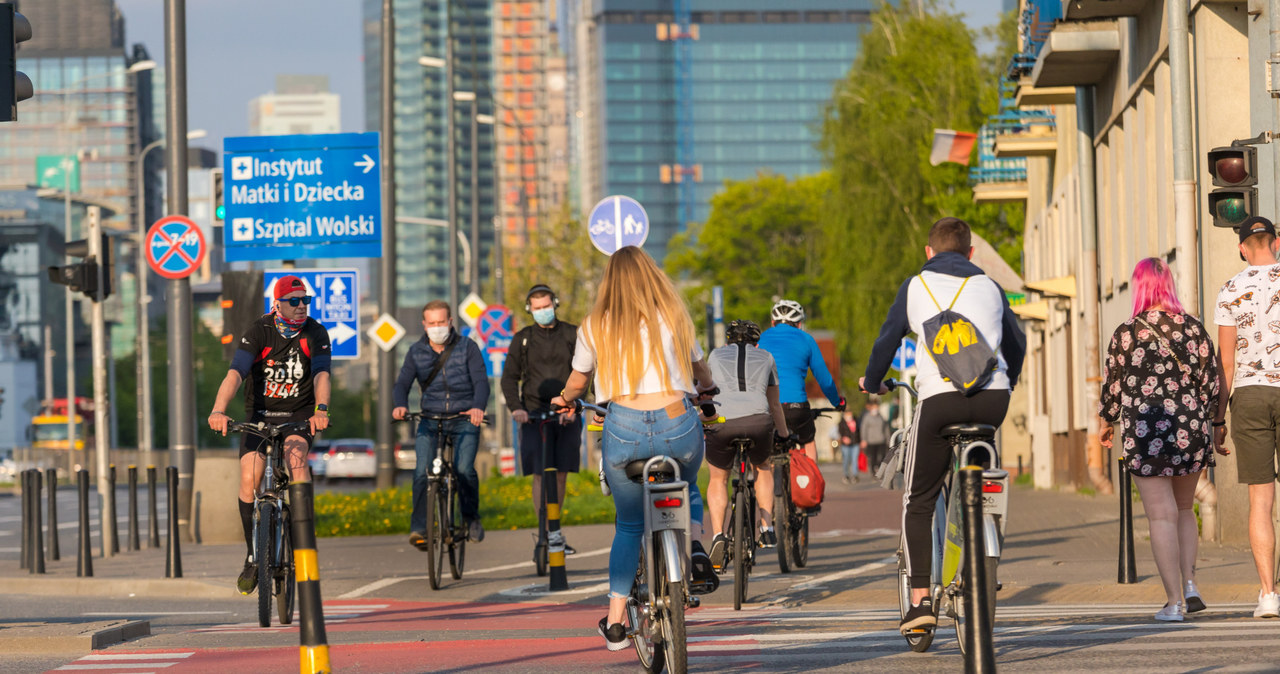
{"type": "Point", "coordinates": [288, 284]}
{"type": "Point", "coordinates": [1256, 225]}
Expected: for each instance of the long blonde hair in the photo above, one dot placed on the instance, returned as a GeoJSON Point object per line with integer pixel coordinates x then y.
{"type": "Point", "coordinates": [635, 293]}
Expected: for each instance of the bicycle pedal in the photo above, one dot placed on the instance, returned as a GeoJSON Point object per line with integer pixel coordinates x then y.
{"type": "Point", "coordinates": [694, 602]}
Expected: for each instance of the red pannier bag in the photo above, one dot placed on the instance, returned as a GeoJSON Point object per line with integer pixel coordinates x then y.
{"type": "Point", "coordinates": [807, 485]}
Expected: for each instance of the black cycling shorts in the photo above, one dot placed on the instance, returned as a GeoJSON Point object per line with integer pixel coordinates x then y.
{"type": "Point", "coordinates": [565, 444]}
{"type": "Point", "coordinates": [800, 421]}
{"type": "Point", "coordinates": [256, 443]}
{"type": "Point", "coordinates": [757, 427]}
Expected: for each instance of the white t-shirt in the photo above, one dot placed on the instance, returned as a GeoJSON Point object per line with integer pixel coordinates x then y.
{"type": "Point", "coordinates": [1251, 302]}
{"type": "Point", "coordinates": [982, 302]}
{"type": "Point", "coordinates": [585, 360]}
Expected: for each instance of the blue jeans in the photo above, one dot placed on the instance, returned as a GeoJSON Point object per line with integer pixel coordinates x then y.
{"type": "Point", "coordinates": [631, 434]}
{"type": "Point", "coordinates": [850, 453]}
{"type": "Point", "coordinates": [466, 439]}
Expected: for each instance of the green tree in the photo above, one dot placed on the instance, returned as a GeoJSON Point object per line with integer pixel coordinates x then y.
{"type": "Point", "coordinates": [918, 70]}
{"type": "Point", "coordinates": [561, 256]}
{"type": "Point", "coordinates": [761, 242]}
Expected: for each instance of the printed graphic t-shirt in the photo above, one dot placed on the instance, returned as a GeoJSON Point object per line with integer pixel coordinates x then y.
{"type": "Point", "coordinates": [1251, 302]}
{"type": "Point", "coordinates": [279, 382]}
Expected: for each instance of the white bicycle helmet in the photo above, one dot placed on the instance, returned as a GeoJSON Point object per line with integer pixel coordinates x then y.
{"type": "Point", "coordinates": [788, 311]}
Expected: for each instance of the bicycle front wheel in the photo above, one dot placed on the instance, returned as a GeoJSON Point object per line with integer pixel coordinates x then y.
{"type": "Point", "coordinates": [740, 549]}
{"type": "Point", "coordinates": [286, 584]}
{"type": "Point", "coordinates": [264, 546]}
{"type": "Point", "coordinates": [458, 537]}
{"type": "Point", "coordinates": [435, 534]}
{"type": "Point", "coordinates": [919, 640]}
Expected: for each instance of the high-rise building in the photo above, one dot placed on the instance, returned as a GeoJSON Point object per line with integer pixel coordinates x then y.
{"type": "Point", "coordinates": [761, 72]}
{"type": "Point", "coordinates": [422, 188]}
{"type": "Point", "coordinates": [299, 104]}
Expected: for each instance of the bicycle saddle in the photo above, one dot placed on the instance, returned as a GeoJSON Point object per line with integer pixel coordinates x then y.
{"type": "Point", "coordinates": [982, 430]}
{"type": "Point", "coordinates": [660, 473]}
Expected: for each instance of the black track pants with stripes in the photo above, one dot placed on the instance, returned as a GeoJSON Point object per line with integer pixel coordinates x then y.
{"type": "Point", "coordinates": [928, 462]}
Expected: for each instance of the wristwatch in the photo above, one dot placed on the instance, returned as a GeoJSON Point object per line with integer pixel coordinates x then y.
{"type": "Point", "coordinates": [322, 408]}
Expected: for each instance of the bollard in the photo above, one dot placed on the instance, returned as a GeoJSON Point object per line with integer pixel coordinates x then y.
{"type": "Point", "coordinates": [173, 561]}
{"type": "Point", "coordinates": [51, 477]}
{"type": "Point", "coordinates": [37, 541]}
{"type": "Point", "coordinates": [314, 652]}
{"type": "Point", "coordinates": [84, 558]}
{"type": "Point", "coordinates": [115, 517]}
{"type": "Point", "coordinates": [153, 520]}
{"type": "Point", "coordinates": [559, 578]}
{"type": "Point", "coordinates": [1019, 465]}
{"type": "Point", "coordinates": [24, 556]}
{"type": "Point", "coordinates": [1128, 570]}
{"type": "Point", "coordinates": [134, 543]}
{"type": "Point", "coordinates": [980, 657]}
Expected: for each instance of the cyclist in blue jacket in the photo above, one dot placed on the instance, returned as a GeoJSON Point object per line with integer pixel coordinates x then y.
{"type": "Point", "coordinates": [796, 353]}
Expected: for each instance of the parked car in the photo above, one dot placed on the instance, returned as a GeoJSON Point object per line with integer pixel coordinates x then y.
{"type": "Point", "coordinates": [317, 458]}
{"type": "Point", "coordinates": [350, 458]}
{"type": "Point", "coordinates": [406, 456]}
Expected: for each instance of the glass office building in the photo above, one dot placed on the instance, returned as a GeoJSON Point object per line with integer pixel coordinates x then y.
{"type": "Point", "coordinates": [762, 71]}
{"type": "Point", "coordinates": [422, 187]}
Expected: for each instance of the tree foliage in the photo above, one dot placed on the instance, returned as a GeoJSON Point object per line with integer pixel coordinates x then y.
{"type": "Point", "coordinates": [561, 256]}
{"type": "Point", "coordinates": [762, 242]}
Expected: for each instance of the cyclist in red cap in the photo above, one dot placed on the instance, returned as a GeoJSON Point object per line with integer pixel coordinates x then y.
{"type": "Point", "coordinates": [285, 358]}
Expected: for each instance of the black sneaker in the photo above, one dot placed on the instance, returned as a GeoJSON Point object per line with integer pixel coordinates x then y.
{"type": "Point", "coordinates": [919, 617]}
{"type": "Point", "coordinates": [248, 579]}
{"type": "Point", "coordinates": [719, 545]}
{"type": "Point", "coordinates": [768, 538]}
{"type": "Point", "coordinates": [705, 580]}
{"type": "Point", "coordinates": [615, 635]}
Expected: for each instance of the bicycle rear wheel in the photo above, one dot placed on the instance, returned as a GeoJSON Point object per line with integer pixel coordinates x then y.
{"type": "Point", "coordinates": [740, 549]}
{"type": "Point", "coordinates": [435, 534]}
{"type": "Point", "coordinates": [264, 546]}
{"type": "Point", "coordinates": [674, 646]}
{"type": "Point", "coordinates": [782, 524]}
{"type": "Point", "coordinates": [960, 617]}
{"type": "Point", "coordinates": [458, 536]}
{"type": "Point", "coordinates": [286, 588]}
{"type": "Point", "coordinates": [651, 656]}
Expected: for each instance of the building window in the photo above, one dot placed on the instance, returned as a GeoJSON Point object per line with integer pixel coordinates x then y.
{"type": "Point", "coordinates": [860, 16]}
{"type": "Point", "coordinates": [657, 17]}
{"type": "Point", "coordinates": [619, 17]}
{"type": "Point", "coordinates": [782, 17]}
{"type": "Point", "coordinates": [704, 17]}
{"type": "Point", "coordinates": [823, 17]}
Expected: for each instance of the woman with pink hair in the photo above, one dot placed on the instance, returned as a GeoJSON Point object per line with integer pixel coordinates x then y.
{"type": "Point", "coordinates": [1161, 386]}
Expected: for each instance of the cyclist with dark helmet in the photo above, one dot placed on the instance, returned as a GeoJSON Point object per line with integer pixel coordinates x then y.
{"type": "Point", "coordinates": [749, 404]}
{"type": "Point", "coordinates": [796, 353]}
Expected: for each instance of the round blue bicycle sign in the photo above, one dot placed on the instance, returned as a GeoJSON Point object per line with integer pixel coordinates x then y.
{"type": "Point", "coordinates": [616, 222]}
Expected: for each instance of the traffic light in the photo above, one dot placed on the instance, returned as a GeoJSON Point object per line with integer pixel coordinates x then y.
{"type": "Point", "coordinates": [14, 85]}
{"type": "Point", "coordinates": [83, 277]}
{"type": "Point", "coordinates": [215, 192]}
{"type": "Point", "coordinates": [1234, 170]}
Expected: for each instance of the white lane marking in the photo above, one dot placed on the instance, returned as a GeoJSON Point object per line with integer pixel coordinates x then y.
{"type": "Point", "coordinates": [137, 656]}
{"type": "Point", "coordinates": [862, 533]}
{"type": "Point", "coordinates": [150, 613]}
{"type": "Point", "coordinates": [847, 573]}
{"type": "Point", "coordinates": [387, 582]}
{"type": "Point", "coordinates": [116, 665]}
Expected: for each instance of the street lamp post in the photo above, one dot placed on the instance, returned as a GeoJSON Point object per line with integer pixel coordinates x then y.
{"type": "Point", "coordinates": [144, 300]}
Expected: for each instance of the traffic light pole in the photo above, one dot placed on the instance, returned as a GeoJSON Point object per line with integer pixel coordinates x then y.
{"type": "Point", "coordinates": [451, 159]}
{"type": "Point", "coordinates": [106, 504]}
{"type": "Point", "coordinates": [182, 393]}
{"type": "Point", "coordinates": [384, 452]}
{"type": "Point", "coordinates": [71, 306]}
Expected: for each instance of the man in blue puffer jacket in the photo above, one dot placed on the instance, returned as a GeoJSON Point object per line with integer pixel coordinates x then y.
{"type": "Point", "coordinates": [451, 374]}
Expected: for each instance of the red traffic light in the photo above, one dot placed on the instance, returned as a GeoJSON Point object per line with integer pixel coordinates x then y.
{"type": "Point", "coordinates": [1233, 166]}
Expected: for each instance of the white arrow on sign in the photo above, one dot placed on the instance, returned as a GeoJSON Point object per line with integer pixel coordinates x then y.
{"type": "Point", "coordinates": [337, 287]}
{"type": "Point", "coordinates": [341, 333]}
{"type": "Point", "coordinates": [367, 162]}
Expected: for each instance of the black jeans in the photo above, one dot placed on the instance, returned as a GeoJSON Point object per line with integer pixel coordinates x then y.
{"type": "Point", "coordinates": [929, 460]}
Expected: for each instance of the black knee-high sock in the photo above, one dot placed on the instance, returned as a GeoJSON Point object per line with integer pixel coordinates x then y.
{"type": "Point", "coordinates": [246, 520]}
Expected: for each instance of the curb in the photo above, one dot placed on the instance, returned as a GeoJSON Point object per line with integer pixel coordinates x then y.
{"type": "Point", "coordinates": [64, 637]}
{"type": "Point", "coordinates": [178, 588]}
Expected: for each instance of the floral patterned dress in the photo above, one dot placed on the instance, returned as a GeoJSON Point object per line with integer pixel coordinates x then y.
{"type": "Point", "coordinates": [1161, 384]}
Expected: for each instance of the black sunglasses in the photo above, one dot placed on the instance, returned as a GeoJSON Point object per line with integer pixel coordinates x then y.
{"type": "Point", "coordinates": [294, 301]}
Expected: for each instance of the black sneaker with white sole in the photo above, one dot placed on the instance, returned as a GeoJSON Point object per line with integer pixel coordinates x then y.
{"type": "Point", "coordinates": [919, 617]}
{"type": "Point", "coordinates": [615, 635]}
{"type": "Point", "coordinates": [248, 580]}
{"type": "Point", "coordinates": [768, 538]}
{"type": "Point", "coordinates": [719, 546]}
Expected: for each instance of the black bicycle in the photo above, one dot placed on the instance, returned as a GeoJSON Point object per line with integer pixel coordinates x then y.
{"type": "Point", "coordinates": [790, 522]}
{"type": "Point", "coordinates": [446, 530]}
{"type": "Point", "coordinates": [272, 541]}
{"type": "Point", "coordinates": [741, 520]}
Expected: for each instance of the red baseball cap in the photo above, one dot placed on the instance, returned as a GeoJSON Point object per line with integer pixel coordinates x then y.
{"type": "Point", "coordinates": [288, 284]}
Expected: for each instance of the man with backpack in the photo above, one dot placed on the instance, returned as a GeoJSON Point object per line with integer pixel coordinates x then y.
{"type": "Point", "coordinates": [974, 349]}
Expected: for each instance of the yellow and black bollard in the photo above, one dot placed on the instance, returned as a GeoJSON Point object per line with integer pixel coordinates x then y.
{"type": "Point", "coordinates": [314, 653]}
{"type": "Point", "coordinates": [559, 577]}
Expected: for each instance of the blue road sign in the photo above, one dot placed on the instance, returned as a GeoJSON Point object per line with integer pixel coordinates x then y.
{"type": "Point", "coordinates": [905, 358]}
{"type": "Point", "coordinates": [335, 303]}
{"type": "Point", "coordinates": [495, 354]}
{"type": "Point", "coordinates": [617, 222]}
{"type": "Point", "coordinates": [302, 197]}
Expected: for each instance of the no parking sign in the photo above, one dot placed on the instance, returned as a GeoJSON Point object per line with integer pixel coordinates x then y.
{"type": "Point", "coordinates": [175, 247]}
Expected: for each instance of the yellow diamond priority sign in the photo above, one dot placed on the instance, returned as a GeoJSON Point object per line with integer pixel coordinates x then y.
{"type": "Point", "coordinates": [471, 308]}
{"type": "Point", "coordinates": [386, 332]}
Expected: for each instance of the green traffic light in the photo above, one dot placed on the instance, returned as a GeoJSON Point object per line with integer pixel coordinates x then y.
{"type": "Point", "coordinates": [220, 212]}
{"type": "Point", "coordinates": [1232, 211]}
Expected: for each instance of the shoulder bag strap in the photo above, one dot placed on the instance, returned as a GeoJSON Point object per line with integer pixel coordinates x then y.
{"type": "Point", "coordinates": [444, 356]}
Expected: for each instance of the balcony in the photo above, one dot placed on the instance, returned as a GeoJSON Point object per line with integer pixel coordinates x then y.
{"type": "Point", "coordinates": [1029, 95]}
{"type": "Point", "coordinates": [996, 180]}
{"type": "Point", "coordinates": [1077, 54]}
{"type": "Point", "coordinates": [1025, 137]}
{"type": "Point", "coordinates": [1034, 26]}
{"type": "Point", "coordinates": [1079, 10]}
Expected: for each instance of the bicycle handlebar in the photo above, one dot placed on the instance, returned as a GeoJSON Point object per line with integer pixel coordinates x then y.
{"type": "Point", "coordinates": [892, 384]}
{"type": "Point", "coordinates": [436, 416]}
{"type": "Point", "coordinates": [266, 430]}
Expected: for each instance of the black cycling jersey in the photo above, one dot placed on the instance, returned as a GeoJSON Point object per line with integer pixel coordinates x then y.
{"type": "Point", "coordinates": [278, 370]}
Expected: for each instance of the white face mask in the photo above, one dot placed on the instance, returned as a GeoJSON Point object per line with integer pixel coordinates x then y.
{"type": "Point", "coordinates": [438, 335]}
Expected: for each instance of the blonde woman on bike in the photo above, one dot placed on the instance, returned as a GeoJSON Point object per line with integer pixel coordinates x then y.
{"type": "Point", "coordinates": [639, 343]}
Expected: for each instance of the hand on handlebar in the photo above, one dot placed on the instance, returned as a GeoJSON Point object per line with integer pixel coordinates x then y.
{"type": "Point", "coordinates": [842, 405]}
{"type": "Point", "coordinates": [862, 386]}
{"type": "Point", "coordinates": [218, 421]}
{"type": "Point", "coordinates": [476, 416]}
{"type": "Point", "coordinates": [520, 416]}
{"type": "Point", "coordinates": [399, 412]}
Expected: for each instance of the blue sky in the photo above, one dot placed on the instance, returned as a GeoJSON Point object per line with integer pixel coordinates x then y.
{"type": "Point", "coordinates": [235, 48]}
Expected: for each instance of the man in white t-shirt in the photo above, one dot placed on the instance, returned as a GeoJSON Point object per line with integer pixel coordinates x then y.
{"type": "Point", "coordinates": [1248, 318]}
